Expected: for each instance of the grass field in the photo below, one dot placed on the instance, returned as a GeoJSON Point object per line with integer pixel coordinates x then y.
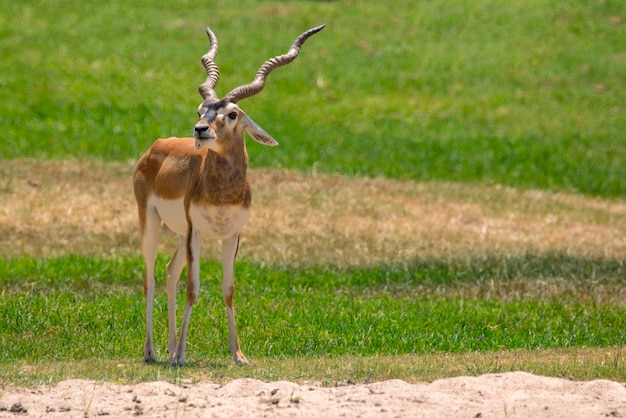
{"type": "Point", "coordinates": [448, 196]}
{"type": "Point", "coordinates": [528, 94]}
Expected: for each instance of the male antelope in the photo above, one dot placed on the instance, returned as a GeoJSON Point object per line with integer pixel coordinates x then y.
{"type": "Point", "coordinates": [198, 186]}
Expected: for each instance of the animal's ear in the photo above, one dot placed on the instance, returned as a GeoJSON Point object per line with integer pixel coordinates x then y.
{"type": "Point", "coordinates": [257, 133]}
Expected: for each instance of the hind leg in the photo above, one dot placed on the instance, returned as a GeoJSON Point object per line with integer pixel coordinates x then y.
{"type": "Point", "coordinates": [174, 269]}
{"type": "Point", "coordinates": [149, 244]}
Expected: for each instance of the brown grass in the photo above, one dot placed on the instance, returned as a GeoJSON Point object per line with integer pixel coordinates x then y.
{"type": "Point", "coordinates": [573, 363]}
{"type": "Point", "coordinates": [56, 208]}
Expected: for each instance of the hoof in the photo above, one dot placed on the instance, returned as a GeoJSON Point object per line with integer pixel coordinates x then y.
{"type": "Point", "coordinates": [149, 356]}
{"type": "Point", "coordinates": [176, 361]}
{"type": "Point", "coordinates": [240, 359]}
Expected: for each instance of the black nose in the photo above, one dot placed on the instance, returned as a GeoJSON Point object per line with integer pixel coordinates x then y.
{"type": "Point", "coordinates": [200, 129]}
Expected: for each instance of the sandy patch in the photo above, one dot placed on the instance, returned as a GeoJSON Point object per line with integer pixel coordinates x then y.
{"type": "Point", "coordinates": [516, 394]}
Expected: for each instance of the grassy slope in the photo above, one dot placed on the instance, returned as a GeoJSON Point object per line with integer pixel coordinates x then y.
{"type": "Point", "coordinates": [510, 293]}
{"type": "Point", "coordinates": [528, 94]}
{"type": "Point", "coordinates": [523, 93]}
{"type": "Point", "coordinates": [383, 310]}
{"type": "Point", "coordinates": [326, 313]}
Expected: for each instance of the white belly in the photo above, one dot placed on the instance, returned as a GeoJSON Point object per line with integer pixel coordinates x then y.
{"type": "Point", "coordinates": [172, 213]}
{"type": "Point", "coordinates": [218, 222]}
{"type": "Point", "coordinates": [211, 221]}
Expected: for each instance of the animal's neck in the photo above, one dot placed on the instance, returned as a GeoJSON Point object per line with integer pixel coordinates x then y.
{"type": "Point", "coordinates": [225, 177]}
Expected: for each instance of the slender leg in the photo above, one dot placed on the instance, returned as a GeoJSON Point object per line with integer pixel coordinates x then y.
{"type": "Point", "coordinates": [174, 268]}
{"type": "Point", "coordinates": [193, 284]}
{"type": "Point", "coordinates": [229, 253]}
{"type": "Point", "coordinates": [149, 244]}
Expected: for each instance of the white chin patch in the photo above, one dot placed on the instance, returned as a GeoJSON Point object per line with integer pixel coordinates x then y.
{"type": "Point", "coordinates": [207, 143]}
{"type": "Point", "coordinates": [202, 143]}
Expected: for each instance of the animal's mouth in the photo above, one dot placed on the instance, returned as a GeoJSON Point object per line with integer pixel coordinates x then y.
{"type": "Point", "coordinates": [203, 142]}
{"type": "Point", "coordinates": [204, 136]}
{"type": "Point", "coordinates": [203, 131]}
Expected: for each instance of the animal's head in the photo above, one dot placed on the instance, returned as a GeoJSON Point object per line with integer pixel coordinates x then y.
{"type": "Point", "coordinates": [222, 120]}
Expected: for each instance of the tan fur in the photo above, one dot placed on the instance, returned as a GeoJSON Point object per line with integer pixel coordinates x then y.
{"type": "Point", "coordinates": [170, 166]}
{"type": "Point", "coordinates": [174, 169]}
{"type": "Point", "coordinates": [198, 186]}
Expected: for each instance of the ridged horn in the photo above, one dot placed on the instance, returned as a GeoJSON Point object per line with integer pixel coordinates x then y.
{"type": "Point", "coordinates": [247, 90]}
{"type": "Point", "coordinates": [206, 89]}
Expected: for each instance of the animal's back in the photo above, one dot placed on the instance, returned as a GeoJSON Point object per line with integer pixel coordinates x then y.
{"type": "Point", "coordinates": [168, 164]}
{"type": "Point", "coordinates": [159, 174]}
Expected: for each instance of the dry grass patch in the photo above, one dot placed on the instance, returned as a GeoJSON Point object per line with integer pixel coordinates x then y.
{"type": "Point", "coordinates": [56, 208]}
{"type": "Point", "coordinates": [573, 363]}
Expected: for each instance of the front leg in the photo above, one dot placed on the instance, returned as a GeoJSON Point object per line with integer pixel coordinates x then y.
{"type": "Point", "coordinates": [193, 284]}
{"type": "Point", "coordinates": [229, 253]}
{"type": "Point", "coordinates": [174, 268]}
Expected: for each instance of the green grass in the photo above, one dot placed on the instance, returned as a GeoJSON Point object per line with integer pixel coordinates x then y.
{"type": "Point", "coordinates": [94, 309]}
{"type": "Point", "coordinates": [529, 94]}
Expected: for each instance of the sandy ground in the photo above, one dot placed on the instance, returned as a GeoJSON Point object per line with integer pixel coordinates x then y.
{"type": "Point", "coordinates": [515, 394]}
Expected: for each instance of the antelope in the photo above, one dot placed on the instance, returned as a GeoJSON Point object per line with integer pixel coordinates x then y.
{"type": "Point", "coordinates": [198, 187]}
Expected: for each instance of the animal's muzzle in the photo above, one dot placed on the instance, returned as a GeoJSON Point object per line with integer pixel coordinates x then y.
{"type": "Point", "coordinates": [202, 131]}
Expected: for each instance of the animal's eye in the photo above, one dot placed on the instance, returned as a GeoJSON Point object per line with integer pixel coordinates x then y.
{"type": "Point", "coordinates": [232, 115]}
